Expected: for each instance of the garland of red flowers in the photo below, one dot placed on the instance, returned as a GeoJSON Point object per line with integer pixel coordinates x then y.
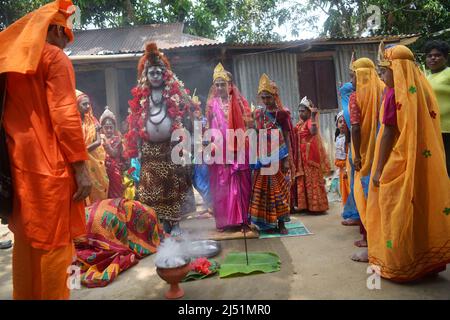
{"type": "Point", "coordinates": [178, 104]}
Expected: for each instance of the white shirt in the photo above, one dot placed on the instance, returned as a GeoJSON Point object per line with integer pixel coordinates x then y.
{"type": "Point", "coordinates": [340, 147]}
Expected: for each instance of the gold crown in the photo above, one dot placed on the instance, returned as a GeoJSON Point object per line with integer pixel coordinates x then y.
{"type": "Point", "coordinates": [220, 72]}
{"type": "Point", "coordinates": [265, 84]}
{"type": "Point", "coordinates": [352, 59]}
{"type": "Point", "coordinates": [383, 60]}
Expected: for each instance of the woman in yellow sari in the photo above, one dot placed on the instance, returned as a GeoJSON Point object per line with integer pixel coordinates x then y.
{"type": "Point", "coordinates": [364, 107]}
{"type": "Point", "coordinates": [408, 208]}
{"type": "Point", "coordinates": [97, 155]}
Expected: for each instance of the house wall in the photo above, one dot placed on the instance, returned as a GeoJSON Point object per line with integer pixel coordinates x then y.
{"type": "Point", "coordinates": [92, 83]}
{"type": "Point", "coordinates": [344, 54]}
{"type": "Point", "coordinates": [282, 68]}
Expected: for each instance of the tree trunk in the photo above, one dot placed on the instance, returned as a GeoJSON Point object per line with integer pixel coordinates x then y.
{"type": "Point", "coordinates": [128, 13]}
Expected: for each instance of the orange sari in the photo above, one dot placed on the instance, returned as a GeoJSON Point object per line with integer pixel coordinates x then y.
{"type": "Point", "coordinates": [344, 185]}
{"type": "Point", "coordinates": [408, 215]}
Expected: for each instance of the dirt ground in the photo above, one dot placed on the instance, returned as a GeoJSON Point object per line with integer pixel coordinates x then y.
{"type": "Point", "coordinates": [316, 266]}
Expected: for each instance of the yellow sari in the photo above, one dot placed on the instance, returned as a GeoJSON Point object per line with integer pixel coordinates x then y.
{"type": "Point", "coordinates": [96, 163]}
{"type": "Point", "coordinates": [369, 92]}
{"type": "Point", "coordinates": [408, 216]}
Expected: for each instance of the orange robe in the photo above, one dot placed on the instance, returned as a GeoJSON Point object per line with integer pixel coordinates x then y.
{"type": "Point", "coordinates": [44, 136]}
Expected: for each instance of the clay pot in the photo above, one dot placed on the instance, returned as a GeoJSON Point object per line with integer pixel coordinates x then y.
{"type": "Point", "coordinates": [173, 276]}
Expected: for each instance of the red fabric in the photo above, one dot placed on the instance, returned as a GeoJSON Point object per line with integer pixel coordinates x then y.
{"type": "Point", "coordinates": [114, 170]}
{"type": "Point", "coordinates": [390, 108]}
{"type": "Point", "coordinates": [284, 120]}
{"type": "Point", "coordinates": [235, 117]}
{"type": "Point", "coordinates": [305, 137]}
{"type": "Point", "coordinates": [355, 110]}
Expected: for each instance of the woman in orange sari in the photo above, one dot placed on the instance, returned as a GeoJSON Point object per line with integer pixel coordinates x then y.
{"type": "Point", "coordinates": [312, 163]}
{"type": "Point", "coordinates": [408, 208]}
{"type": "Point", "coordinates": [97, 155]}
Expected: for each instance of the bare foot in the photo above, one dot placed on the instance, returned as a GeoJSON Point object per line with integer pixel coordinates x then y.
{"type": "Point", "coordinates": [361, 243]}
{"type": "Point", "coordinates": [362, 256]}
{"type": "Point", "coordinates": [350, 222]}
{"type": "Point", "coordinates": [220, 230]}
{"type": "Point", "coordinates": [204, 215]}
{"type": "Point", "coordinates": [282, 228]}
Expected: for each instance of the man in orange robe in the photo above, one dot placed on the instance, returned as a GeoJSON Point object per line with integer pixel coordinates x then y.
{"type": "Point", "coordinates": [46, 150]}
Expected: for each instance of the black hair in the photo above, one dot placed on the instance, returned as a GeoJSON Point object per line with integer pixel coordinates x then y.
{"type": "Point", "coordinates": [338, 132]}
{"type": "Point", "coordinates": [439, 45]}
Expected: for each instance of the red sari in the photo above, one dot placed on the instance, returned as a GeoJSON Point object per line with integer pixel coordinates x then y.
{"type": "Point", "coordinates": [313, 163]}
{"type": "Point", "coordinates": [114, 169]}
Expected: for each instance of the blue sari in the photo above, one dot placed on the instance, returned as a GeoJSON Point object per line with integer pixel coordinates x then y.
{"type": "Point", "coordinates": [350, 210]}
{"type": "Point", "coordinates": [200, 179]}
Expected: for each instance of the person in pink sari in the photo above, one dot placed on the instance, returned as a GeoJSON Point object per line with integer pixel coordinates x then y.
{"type": "Point", "coordinates": [230, 182]}
{"type": "Point", "coordinates": [114, 162]}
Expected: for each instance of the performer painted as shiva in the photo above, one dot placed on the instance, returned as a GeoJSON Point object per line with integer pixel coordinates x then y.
{"type": "Point", "coordinates": [159, 106]}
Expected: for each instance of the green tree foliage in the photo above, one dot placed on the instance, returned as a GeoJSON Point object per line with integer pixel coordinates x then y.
{"type": "Point", "coordinates": [255, 20]}
{"type": "Point", "coordinates": [233, 20]}
{"type": "Point", "coordinates": [349, 17]}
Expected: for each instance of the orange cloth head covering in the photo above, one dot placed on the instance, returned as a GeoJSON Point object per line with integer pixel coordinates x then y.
{"type": "Point", "coordinates": [386, 56]}
{"type": "Point", "coordinates": [369, 93]}
{"type": "Point", "coordinates": [89, 118]}
{"type": "Point", "coordinates": [21, 44]}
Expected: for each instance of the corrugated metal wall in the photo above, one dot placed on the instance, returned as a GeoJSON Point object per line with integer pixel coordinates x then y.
{"type": "Point", "coordinates": [342, 57]}
{"type": "Point", "coordinates": [282, 68]}
{"type": "Point", "coordinates": [344, 54]}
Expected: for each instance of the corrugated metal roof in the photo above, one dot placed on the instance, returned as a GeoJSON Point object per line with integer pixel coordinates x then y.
{"type": "Point", "coordinates": [132, 39]}
{"type": "Point", "coordinates": [170, 36]}
{"type": "Point", "coordinates": [324, 40]}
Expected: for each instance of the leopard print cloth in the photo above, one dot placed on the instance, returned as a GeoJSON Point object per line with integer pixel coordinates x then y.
{"type": "Point", "coordinates": [164, 186]}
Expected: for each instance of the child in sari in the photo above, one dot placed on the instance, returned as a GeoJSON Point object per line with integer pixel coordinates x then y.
{"type": "Point", "coordinates": [112, 143]}
{"type": "Point", "coordinates": [314, 164]}
{"type": "Point", "coordinates": [342, 141]}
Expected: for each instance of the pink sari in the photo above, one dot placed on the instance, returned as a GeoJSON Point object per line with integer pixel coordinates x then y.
{"type": "Point", "coordinates": [230, 184]}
